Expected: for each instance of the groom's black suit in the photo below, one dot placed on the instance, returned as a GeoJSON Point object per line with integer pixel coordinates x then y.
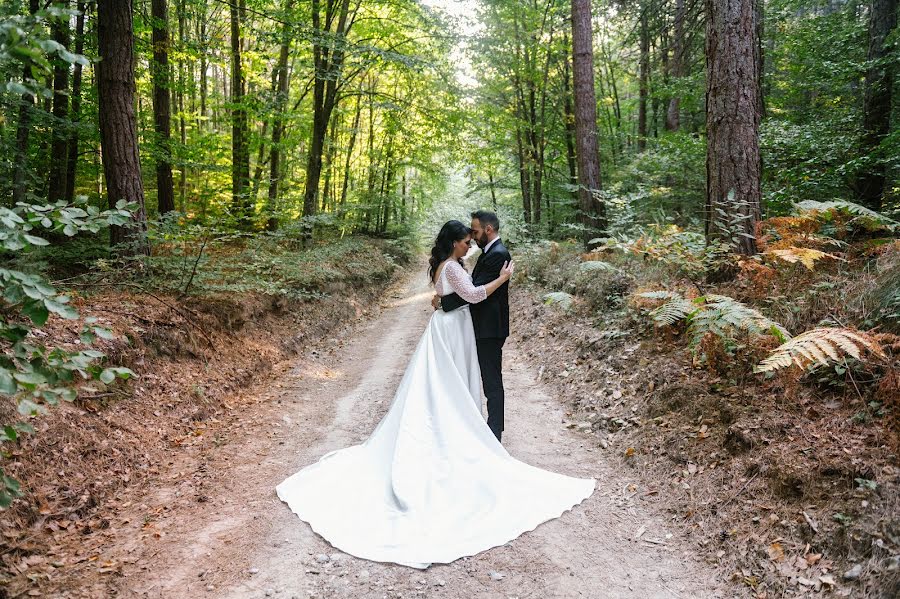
{"type": "Point", "coordinates": [490, 319]}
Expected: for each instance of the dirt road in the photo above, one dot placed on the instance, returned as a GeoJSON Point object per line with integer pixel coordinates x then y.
{"type": "Point", "coordinates": [218, 530]}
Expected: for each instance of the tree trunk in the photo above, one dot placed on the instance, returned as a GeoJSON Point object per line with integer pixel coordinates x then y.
{"type": "Point", "coordinates": [162, 106]}
{"type": "Point", "coordinates": [877, 99]}
{"type": "Point", "coordinates": [524, 177]}
{"type": "Point", "coordinates": [59, 148]}
{"type": "Point", "coordinates": [593, 211]}
{"type": "Point", "coordinates": [328, 62]}
{"type": "Point", "coordinates": [353, 134]}
{"type": "Point", "coordinates": [673, 116]}
{"type": "Point", "coordinates": [182, 124]}
{"type": "Point", "coordinates": [644, 79]}
{"type": "Point", "coordinates": [490, 185]}
{"type": "Point", "coordinates": [569, 118]}
{"type": "Point", "coordinates": [281, 97]}
{"type": "Point", "coordinates": [240, 150]}
{"type": "Point", "coordinates": [118, 125]}
{"type": "Point", "coordinates": [23, 130]}
{"type": "Point", "coordinates": [327, 195]}
{"type": "Point", "coordinates": [204, 115]}
{"type": "Point", "coordinates": [732, 122]}
{"type": "Point", "coordinates": [761, 60]}
{"type": "Point", "coordinates": [72, 161]}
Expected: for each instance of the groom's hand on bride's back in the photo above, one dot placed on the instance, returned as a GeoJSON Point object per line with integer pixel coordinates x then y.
{"type": "Point", "coordinates": [436, 301]}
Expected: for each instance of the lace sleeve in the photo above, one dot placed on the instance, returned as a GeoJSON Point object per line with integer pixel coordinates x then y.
{"type": "Point", "coordinates": [461, 283]}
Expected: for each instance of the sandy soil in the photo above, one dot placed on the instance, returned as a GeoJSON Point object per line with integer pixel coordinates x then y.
{"type": "Point", "coordinates": [217, 529]}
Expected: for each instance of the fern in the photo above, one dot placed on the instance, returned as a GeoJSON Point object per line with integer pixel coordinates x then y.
{"type": "Point", "coordinates": [597, 265]}
{"type": "Point", "coordinates": [717, 314]}
{"type": "Point", "coordinates": [857, 209]}
{"type": "Point", "coordinates": [560, 298]}
{"type": "Point", "coordinates": [675, 308]}
{"type": "Point", "coordinates": [819, 347]}
{"type": "Point", "coordinates": [805, 256]}
{"type": "Point", "coordinates": [722, 313]}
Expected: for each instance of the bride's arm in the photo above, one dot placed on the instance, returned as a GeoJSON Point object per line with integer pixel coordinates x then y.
{"type": "Point", "coordinates": [461, 283]}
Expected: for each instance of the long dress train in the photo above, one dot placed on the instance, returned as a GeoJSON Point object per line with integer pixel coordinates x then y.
{"type": "Point", "coordinates": [431, 484]}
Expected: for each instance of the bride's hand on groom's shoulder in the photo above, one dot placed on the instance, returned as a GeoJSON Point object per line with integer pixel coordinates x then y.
{"type": "Point", "coordinates": [507, 271]}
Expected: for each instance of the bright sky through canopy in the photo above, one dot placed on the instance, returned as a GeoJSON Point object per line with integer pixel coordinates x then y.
{"type": "Point", "coordinates": [463, 15]}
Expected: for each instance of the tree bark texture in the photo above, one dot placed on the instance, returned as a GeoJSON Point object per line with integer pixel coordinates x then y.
{"type": "Point", "coordinates": [643, 80]}
{"type": "Point", "coordinates": [240, 148]}
{"type": "Point", "coordinates": [877, 99]}
{"type": "Point", "coordinates": [59, 147]}
{"type": "Point", "coordinates": [118, 125]}
{"type": "Point", "coordinates": [162, 107]}
{"type": "Point", "coordinates": [72, 159]}
{"type": "Point", "coordinates": [732, 122]}
{"type": "Point", "coordinates": [673, 115]}
{"type": "Point", "coordinates": [328, 63]}
{"type": "Point", "coordinates": [592, 210]}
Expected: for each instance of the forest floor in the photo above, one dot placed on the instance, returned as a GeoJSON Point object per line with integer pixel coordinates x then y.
{"type": "Point", "coordinates": [788, 488]}
{"type": "Point", "coordinates": [213, 526]}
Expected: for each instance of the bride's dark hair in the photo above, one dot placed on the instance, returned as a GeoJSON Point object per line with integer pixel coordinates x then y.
{"type": "Point", "coordinates": [450, 233]}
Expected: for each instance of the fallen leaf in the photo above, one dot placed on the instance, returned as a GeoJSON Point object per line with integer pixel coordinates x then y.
{"type": "Point", "coordinates": [776, 552]}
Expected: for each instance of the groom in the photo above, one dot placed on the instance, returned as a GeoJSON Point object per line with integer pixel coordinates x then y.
{"type": "Point", "coordinates": [490, 318]}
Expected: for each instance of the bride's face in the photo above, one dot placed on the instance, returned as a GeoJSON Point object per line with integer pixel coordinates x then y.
{"type": "Point", "coordinates": [461, 247]}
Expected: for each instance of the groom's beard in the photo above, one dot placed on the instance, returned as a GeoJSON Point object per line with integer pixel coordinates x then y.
{"type": "Point", "coordinates": [482, 241]}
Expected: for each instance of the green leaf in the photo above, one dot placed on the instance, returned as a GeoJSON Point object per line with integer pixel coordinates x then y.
{"type": "Point", "coordinates": [24, 427]}
{"type": "Point", "coordinates": [27, 407]}
{"type": "Point", "coordinates": [36, 311]}
{"type": "Point", "coordinates": [9, 434]}
{"type": "Point", "coordinates": [35, 240]}
{"type": "Point", "coordinates": [17, 88]}
{"type": "Point", "coordinates": [104, 333]}
{"type": "Point", "coordinates": [30, 378]}
{"type": "Point", "coordinates": [64, 310]}
{"type": "Point", "coordinates": [7, 384]}
{"type": "Point", "coordinates": [107, 376]}
{"type": "Point", "coordinates": [123, 373]}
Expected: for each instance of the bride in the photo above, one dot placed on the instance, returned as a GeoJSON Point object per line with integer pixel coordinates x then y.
{"type": "Point", "coordinates": [432, 483]}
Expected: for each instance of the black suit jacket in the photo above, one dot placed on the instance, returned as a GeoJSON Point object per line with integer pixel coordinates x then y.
{"type": "Point", "coordinates": [490, 318]}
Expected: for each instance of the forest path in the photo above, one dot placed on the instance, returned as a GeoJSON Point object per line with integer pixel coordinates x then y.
{"type": "Point", "coordinates": [243, 542]}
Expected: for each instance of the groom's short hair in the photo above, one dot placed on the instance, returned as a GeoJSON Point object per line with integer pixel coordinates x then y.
{"type": "Point", "coordinates": [486, 217]}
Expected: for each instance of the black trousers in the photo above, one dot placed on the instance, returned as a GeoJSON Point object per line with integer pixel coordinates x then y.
{"type": "Point", "coordinates": [490, 359]}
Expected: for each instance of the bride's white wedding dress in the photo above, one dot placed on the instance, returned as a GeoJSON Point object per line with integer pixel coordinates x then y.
{"type": "Point", "coordinates": [432, 483]}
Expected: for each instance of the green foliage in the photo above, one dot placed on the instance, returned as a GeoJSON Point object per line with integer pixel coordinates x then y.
{"type": "Point", "coordinates": [675, 308]}
{"type": "Point", "coordinates": [860, 217]}
{"type": "Point", "coordinates": [885, 294]}
{"type": "Point", "coordinates": [718, 315]}
{"type": "Point", "coordinates": [687, 253]}
{"type": "Point", "coordinates": [665, 184]}
{"type": "Point", "coordinates": [23, 41]}
{"type": "Point", "coordinates": [31, 374]}
{"type": "Point", "coordinates": [206, 260]}
{"type": "Point", "coordinates": [559, 298]}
